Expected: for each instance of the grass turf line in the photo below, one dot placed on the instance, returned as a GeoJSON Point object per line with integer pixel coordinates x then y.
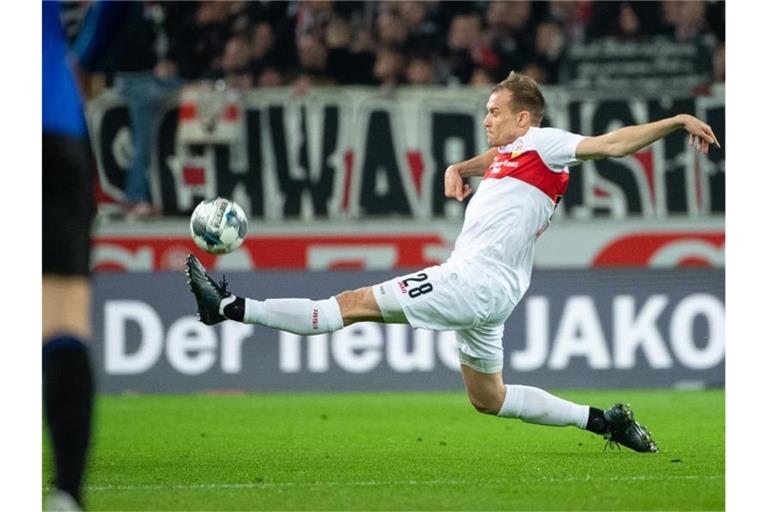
{"type": "Point", "coordinates": [386, 451]}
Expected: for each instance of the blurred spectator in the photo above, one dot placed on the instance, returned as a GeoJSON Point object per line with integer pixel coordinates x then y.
{"type": "Point", "coordinates": [363, 41]}
{"type": "Point", "coordinates": [626, 21]}
{"type": "Point", "coordinates": [338, 33]}
{"type": "Point", "coordinates": [312, 17]}
{"type": "Point", "coordinates": [718, 73]}
{"type": "Point", "coordinates": [239, 18]}
{"type": "Point", "coordinates": [689, 19]}
{"type": "Point", "coordinates": [345, 43]}
{"type": "Point", "coordinates": [718, 64]}
{"type": "Point", "coordinates": [313, 60]}
{"type": "Point", "coordinates": [262, 42]}
{"type": "Point", "coordinates": [574, 16]}
{"type": "Point", "coordinates": [464, 46]}
{"type": "Point", "coordinates": [269, 77]}
{"type": "Point", "coordinates": [670, 12]}
{"type": "Point", "coordinates": [535, 71]}
{"type": "Point", "coordinates": [627, 27]}
{"type": "Point", "coordinates": [420, 70]}
{"type": "Point", "coordinates": [348, 66]}
{"type": "Point", "coordinates": [510, 34]}
{"type": "Point", "coordinates": [716, 19]}
{"type": "Point", "coordinates": [422, 27]}
{"type": "Point", "coordinates": [272, 35]}
{"type": "Point", "coordinates": [550, 42]}
{"type": "Point", "coordinates": [144, 75]}
{"type": "Point", "coordinates": [482, 77]}
{"type": "Point", "coordinates": [388, 68]}
{"type": "Point", "coordinates": [201, 39]}
{"type": "Point", "coordinates": [390, 29]}
{"type": "Point", "coordinates": [236, 63]}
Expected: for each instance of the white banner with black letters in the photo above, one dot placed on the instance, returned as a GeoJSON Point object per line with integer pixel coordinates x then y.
{"type": "Point", "coordinates": [362, 153]}
{"type": "Point", "coordinates": [574, 329]}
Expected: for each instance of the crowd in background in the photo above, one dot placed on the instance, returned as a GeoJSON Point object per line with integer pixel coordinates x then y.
{"type": "Point", "coordinates": [321, 42]}
{"type": "Point", "coordinates": [163, 46]}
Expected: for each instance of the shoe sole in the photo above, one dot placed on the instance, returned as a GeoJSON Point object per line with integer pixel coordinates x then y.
{"type": "Point", "coordinates": [204, 316]}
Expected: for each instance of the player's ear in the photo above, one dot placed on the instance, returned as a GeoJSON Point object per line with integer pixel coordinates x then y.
{"type": "Point", "coordinates": [523, 118]}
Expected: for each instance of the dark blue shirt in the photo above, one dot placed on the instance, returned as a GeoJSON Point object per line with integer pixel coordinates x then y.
{"type": "Point", "coordinates": [62, 103]}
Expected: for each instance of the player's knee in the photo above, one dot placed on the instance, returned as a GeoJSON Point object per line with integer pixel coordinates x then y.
{"type": "Point", "coordinates": [357, 306]}
{"type": "Point", "coordinates": [486, 404]}
{"type": "Point", "coordinates": [349, 301]}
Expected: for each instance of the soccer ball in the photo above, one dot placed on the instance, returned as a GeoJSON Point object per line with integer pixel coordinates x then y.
{"type": "Point", "coordinates": [218, 225]}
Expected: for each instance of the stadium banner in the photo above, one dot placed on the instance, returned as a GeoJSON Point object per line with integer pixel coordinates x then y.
{"type": "Point", "coordinates": [574, 329]}
{"type": "Point", "coordinates": [363, 153]}
{"type": "Point", "coordinates": [158, 246]}
{"type": "Point", "coordinates": [654, 64]}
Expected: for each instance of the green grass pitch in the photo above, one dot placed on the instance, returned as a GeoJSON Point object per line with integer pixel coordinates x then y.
{"type": "Point", "coordinates": [395, 451]}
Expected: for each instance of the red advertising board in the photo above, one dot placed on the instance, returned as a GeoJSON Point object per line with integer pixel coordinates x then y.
{"type": "Point", "coordinates": [411, 246]}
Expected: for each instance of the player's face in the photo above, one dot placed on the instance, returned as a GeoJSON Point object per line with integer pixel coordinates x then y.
{"type": "Point", "coordinates": [502, 126]}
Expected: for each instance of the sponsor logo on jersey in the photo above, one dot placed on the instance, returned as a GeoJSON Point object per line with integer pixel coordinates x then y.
{"type": "Point", "coordinates": [503, 163]}
{"type": "Point", "coordinates": [530, 168]}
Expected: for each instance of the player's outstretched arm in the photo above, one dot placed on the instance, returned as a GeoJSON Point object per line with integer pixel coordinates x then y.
{"type": "Point", "coordinates": [475, 166]}
{"type": "Point", "coordinates": [630, 139]}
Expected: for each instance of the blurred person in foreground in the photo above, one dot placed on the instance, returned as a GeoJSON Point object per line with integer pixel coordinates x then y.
{"type": "Point", "coordinates": [68, 208]}
{"type": "Point", "coordinates": [525, 173]}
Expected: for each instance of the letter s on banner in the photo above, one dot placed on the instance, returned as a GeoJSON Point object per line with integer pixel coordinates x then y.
{"type": "Point", "coordinates": [681, 331]}
{"type": "Point", "coordinates": [116, 314]}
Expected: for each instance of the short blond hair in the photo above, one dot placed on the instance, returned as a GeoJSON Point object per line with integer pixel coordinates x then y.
{"type": "Point", "coordinates": [525, 95]}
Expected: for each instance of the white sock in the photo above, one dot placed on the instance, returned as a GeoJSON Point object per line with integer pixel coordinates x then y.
{"type": "Point", "coordinates": [299, 316]}
{"type": "Point", "coordinates": [534, 405]}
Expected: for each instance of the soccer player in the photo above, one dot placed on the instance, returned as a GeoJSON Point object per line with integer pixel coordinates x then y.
{"type": "Point", "coordinates": [524, 176]}
{"type": "Point", "coordinates": [68, 208]}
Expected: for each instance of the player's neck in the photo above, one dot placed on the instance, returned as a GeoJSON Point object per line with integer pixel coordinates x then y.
{"type": "Point", "coordinates": [515, 136]}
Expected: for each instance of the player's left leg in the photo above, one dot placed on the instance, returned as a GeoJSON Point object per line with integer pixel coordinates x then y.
{"type": "Point", "coordinates": [488, 394]}
{"type": "Point", "coordinates": [67, 379]}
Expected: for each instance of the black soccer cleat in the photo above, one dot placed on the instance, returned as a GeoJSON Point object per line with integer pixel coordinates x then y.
{"type": "Point", "coordinates": [207, 293]}
{"type": "Point", "coordinates": [624, 430]}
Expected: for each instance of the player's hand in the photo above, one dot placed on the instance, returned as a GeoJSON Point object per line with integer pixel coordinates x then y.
{"type": "Point", "coordinates": [700, 134]}
{"type": "Point", "coordinates": [454, 184]}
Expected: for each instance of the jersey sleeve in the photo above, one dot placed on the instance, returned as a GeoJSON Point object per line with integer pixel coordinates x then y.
{"type": "Point", "coordinates": [102, 22]}
{"type": "Point", "coordinates": [558, 147]}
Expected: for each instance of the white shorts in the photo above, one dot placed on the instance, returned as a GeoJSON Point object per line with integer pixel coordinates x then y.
{"type": "Point", "coordinates": [454, 296]}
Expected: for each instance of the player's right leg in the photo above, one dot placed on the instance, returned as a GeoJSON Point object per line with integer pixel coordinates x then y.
{"type": "Point", "coordinates": [433, 298]}
{"type": "Point", "coordinates": [297, 315]}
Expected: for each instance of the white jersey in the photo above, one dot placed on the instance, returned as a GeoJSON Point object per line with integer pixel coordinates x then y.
{"type": "Point", "coordinates": [475, 291]}
{"type": "Point", "coordinates": [516, 199]}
